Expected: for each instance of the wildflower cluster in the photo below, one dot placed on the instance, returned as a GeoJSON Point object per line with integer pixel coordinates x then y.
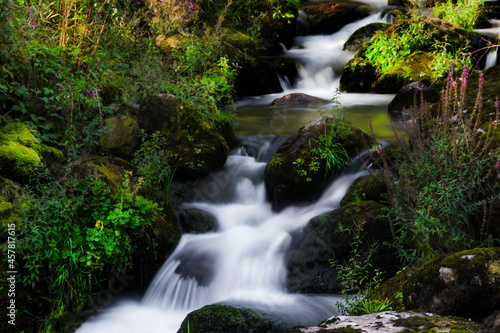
{"type": "Point", "coordinates": [441, 193]}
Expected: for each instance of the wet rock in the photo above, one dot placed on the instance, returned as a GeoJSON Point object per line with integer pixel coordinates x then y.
{"type": "Point", "coordinates": [223, 318]}
{"type": "Point", "coordinates": [122, 136]}
{"type": "Point", "coordinates": [197, 146]}
{"type": "Point", "coordinates": [449, 284]}
{"type": "Point", "coordinates": [358, 76]}
{"type": "Point", "coordinates": [296, 99]}
{"type": "Point", "coordinates": [298, 173]}
{"type": "Point", "coordinates": [370, 188]}
{"type": "Point", "coordinates": [197, 221]}
{"type": "Point", "coordinates": [361, 35]}
{"type": "Point", "coordinates": [392, 322]}
{"type": "Point", "coordinates": [411, 93]}
{"type": "Point", "coordinates": [312, 248]}
{"type": "Point", "coordinates": [329, 17]}
{"type": "Point", "coordinates": [492, 322]}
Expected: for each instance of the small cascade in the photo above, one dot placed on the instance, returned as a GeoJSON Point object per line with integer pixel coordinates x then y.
{"type": "Point", "coordinates": [491, 58]}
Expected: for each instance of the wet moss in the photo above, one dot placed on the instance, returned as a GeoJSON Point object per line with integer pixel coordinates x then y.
{"type": "Point", "coordinates": [432, 324]}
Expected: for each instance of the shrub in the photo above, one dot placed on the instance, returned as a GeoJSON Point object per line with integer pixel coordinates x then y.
{"type": "Point", "coordinates": [464, 13]}
{"type": "Point", "coordinates": [439, 197]}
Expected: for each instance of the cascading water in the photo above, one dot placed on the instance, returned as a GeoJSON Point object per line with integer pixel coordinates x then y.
{"type": "Point", "coordinates": [240, 264]}
{"type": "Point", "coordinates": [491, 58]}
{"type": "Point", "coordinates": [243, 262]}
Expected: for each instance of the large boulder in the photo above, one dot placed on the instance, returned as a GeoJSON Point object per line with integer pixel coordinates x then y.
{"type": "Point", "coordinates": [329, 17]}
{"type": "Point", "coordinates": [410, 96]}
{"type": "Point", "coordinates": [197, 221]}
{"type": "Point", "coordinates": [363, 34]}
{"type": "Point", "coordinates": [358, 76]}
{"type": "Point", "coordinates": [449, 284]}
{"type": "Point", "coordinates": [297, 172]}
{"type": "Point", "coordinates": [309, 258]}
{"type": "Point", "coordinates": [296, 99]}
{"type": "Point", "coordinates": [21, 152]}
{"type": "Point", "coordinates": [122, 136]}
{"type": "Point", "coordinates": [196, 145]}
{"type": "Point", "coordinates": [223, 318]}
{"type": "Point", "coordinates": [392, 321]}
{"type": "Point", "coordinates": [369, 188]}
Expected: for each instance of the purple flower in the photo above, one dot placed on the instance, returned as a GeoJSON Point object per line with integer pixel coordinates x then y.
{"type": "Point", "coordinates": [87, 93]}
{"type": "Point", "coordinates": [63, 112]}
{"type": "Point", "coordinates": [9, 17]}
{"type": "Point", "coordinates": [29, 9]}
{"type": "Point", "coordinates": [59, 87]}
{"type": "Point", "coordinates": [63, 63]}
{"type": "Point", "coordinates": [497, 164]}
{"type": "Point", "coordinates": [58, 73]}
{"type": "Point", "coordinates": [33, 25]}
{"type": "Point", "coordinates": [94, 93]}
{"type": "Point", "coordinates": [5, 47]}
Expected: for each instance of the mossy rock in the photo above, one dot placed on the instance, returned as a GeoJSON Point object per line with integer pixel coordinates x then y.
{"type": "Point", "coordinates": [13, 204]}
{"type": "Point", "coordinates": [369, 188]}
{"type": "Point", "coordinates": [411, 96]}
{"type": "Point", "coordinates": [171, 43]}
{"type": "Point", "coordinates": [153, 248]}
{"type": "Point", "coordinates": [296, 99]}
{"type": "Point", "coordinates": [414, 68]}
{"type": "Point", "coordinates": [313, 247]}
{"type": "Point", "coordinates": [197, 146]}
{"type": "Point", "coordinates": [65, 322]}
{"type": "Point", "coordinates": [449, 284]}
{"type": "Point", "coordinates": [329, 17]}
{"type": "Point", "coordinates": [363, 34]}
{"type": "Point", "coordinates": [122, 137]}
{"type": "Point", "coordinates": [21, 153]}
{"type": "Point", "coordinates": [358, 76]}
{"type": "Point", "coordinates": [295, 174]}
{"type": "Point", "coordinates": [109, 169]}
{"type": "Point", "coordinates": [223, 318]}
{"type": "Point", "coordinates": [197, 221]}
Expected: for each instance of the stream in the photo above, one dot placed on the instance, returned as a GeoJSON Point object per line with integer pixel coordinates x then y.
{"type": "Point", "coordinates": [242, 263]}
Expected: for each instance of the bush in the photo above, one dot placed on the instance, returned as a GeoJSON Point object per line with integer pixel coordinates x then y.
{"type": "Point", "coordinates": [439, 197]}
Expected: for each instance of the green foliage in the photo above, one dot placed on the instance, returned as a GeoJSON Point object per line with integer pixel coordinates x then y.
{"type": "Point", "coordinates": [76, 231]}
{"type": "Point", "coordinates": [464, 13]}
{"type": "Point", "coordinates": [153, 163]}
{"type": "Point", "coordinates": [389, 49]}
{"type": "Point", "coordinates": [439, 199]}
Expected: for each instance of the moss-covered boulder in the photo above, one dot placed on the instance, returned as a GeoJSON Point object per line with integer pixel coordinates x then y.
{"type": "Point", "coordinates": [358, 76]}
{"type": "Point", "coordinates": [369, 188]}
{"type": "Point", "coordinates": [392, 321]}
{"type": "Point", "coordinates": [329, 17]}
{"type": "Point", "coordinates": [197, 221]}
{"type": "Point", "coordinates": [363, 34]}
{"type": "Point", "coordinates": [111, 170]}
{"type": "Point", "coordinates": [223, 318]}
{"type": "Point", "coordinates": [295, 99]}
{"type": "Point", "coordinates": [122, 136]}
{"type": "Point", "coordinates": [412, 95]}
{"type": "Point", "coordinates": [197, 146]}
{"type": "Point", "coordinates": [313, 247]}
{"type": "Point", "coordinates": [13, 203]}
{"type": "Point", "coordinates": [21, 152]}
{"type": "Point", "coordinates": [297, 172]}
{"type": "Point", "coordinates": [450, 284]}
{"type": "Point", "coordinates": [415, 68]}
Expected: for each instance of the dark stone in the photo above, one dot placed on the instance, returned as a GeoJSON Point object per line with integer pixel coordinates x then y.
{"type": "Point", "coordinates": [329, 17]}
{"type": "Point", "coordinates": [449, 284]}
{"type": "Point", "coordinates": [492, 322]}
{"type": "Point", "coordinates": [122, 137]}
{"type": "Point", "coordinates": [370, 188]}
{"type": "Point", "coordinates": [197, 146]}
{"type": "Point", "coordinates": [297, 99]}
{"type": "Point", "coordinates": [358, 76]}
{"type": "Point", "coordinates": [223, 318]}
{"type": "Point", "coordinates": [312, 248]}
{"type": "Point", "coordinates": [295, 174]}
{"type": "Point", "coordinates": [197, 221]}
{"type": "Point", "coordinates": [411, 93]}
{"type": "Point", "coordinates": [361, 35]}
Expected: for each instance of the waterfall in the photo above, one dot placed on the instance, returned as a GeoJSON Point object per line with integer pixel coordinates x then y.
{"type": "Point", "coordinates": [491, 58]}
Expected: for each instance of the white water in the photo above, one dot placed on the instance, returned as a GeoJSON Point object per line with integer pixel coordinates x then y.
{"type": "Point", "coordinates": [243, 263]}
{"type": "Point", "coordinates": [491, 58]}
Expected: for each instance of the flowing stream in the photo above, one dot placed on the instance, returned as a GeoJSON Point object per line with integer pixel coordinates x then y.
{"type": "Point", "coordinates": [243, 262]}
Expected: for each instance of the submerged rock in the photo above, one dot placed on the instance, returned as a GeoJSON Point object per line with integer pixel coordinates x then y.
{"type": "Point", "coordinates": [295, 99]}
{"type": "Point", "coordinates": [197, 221]}
{"type": "Point", "coordinates": [411, 93]}
{"type": "Point", "coordinates": [392, 322]}
{"type": "Point", "coordinates": [223, 318]}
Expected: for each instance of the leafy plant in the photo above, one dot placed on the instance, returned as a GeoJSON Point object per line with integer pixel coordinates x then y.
{"type": "Point", "coordinates": [461, 12]}
{"type": "Point", "coordinates": [438, 200]}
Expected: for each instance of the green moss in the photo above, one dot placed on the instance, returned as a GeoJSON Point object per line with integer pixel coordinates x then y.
{"type": "Point", "coordinates": [427, 324]}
